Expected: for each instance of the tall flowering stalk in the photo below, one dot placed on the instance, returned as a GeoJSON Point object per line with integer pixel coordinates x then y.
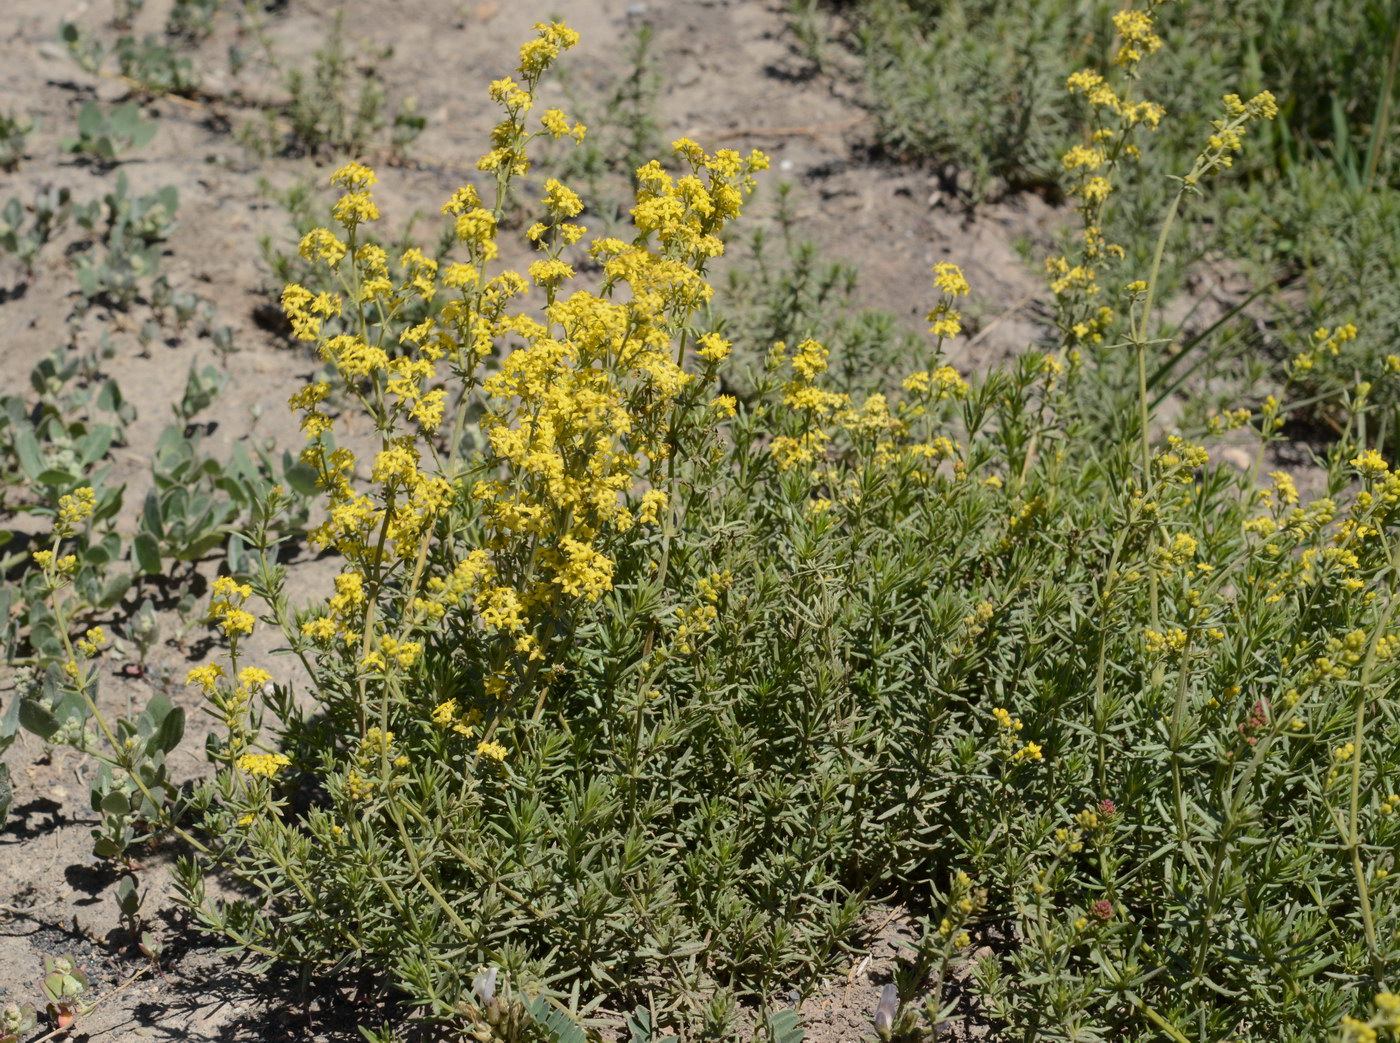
{"type": "Point", "coordinates": [583, 402]}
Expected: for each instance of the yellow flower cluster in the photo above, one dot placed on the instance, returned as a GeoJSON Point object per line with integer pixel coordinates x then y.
{"type": "Point", "coordinates": [1135, 32]}
{"type": "Point", "coordinates": [1158, 643]}
{"type": "Point", "coordinates": [91, 642]}
{"type": "Point", "coordinates": [946, 321]}
{"type": "Point", "coordinates": [1227, 135]}
{"type": "Point", "coordinates": [75, 508]}
{"type": "Point", "coordinates": [448, 715]}
{"type": "Point", "coordinates": [266, 765]}
{"type": "Point", "coordinates": [577, 399]}
{"type": "Point", "coordinates": [963, 902]}
{"type": "Point", "coordinates": [1180, 460]}
{"type": "Point", "coordinates": [1007, 728]}
{"type": "Point", "coordinates": [226, 607]}
{"type": "Point", "coordinates": [943, 382]}
{"type": "Point", "coordinates": [1385, 1019]}
{"type": "Point", "coordinates": [1230, 420]}
{"type": "Point", "coordinates": [1325, 342]}
{"type": "Point", "coordinates": [491, 750]}
{"type": "Point", "coordinates": [1179, 552]}
{"type": "Point", "coordinates": [207, 676]}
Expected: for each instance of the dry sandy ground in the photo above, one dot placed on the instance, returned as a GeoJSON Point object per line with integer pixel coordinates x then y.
{"type": "Point", "coordinates": [732, 76]}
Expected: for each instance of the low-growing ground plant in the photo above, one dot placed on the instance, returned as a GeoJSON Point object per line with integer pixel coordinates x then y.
{"type": "Point", "coordinates": [56, 598]}
{"type": "Point", "coordinates": [192, 20]}
{"type": "Point", "coordinates": [103, 137]}
{"type": "Point", "coordinates": [336, 107]}
{"type": "Point", "coordinates": [24, 230]}
{"type": "Point", "coordinates": [151, 64]}
{"type": "Point", "coordinates": [126, 230]}
{"type": "Point", "coordinates": [14, 133]}
{"type": "Point", "coordinates": [154, 65]}
{"type": "Point", "coordinates": [9, 727]}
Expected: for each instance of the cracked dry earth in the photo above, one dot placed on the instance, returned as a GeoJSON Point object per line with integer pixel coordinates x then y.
{"type": "Point", "coordinates": [731, 75]}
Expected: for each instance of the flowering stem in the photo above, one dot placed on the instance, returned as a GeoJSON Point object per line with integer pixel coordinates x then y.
{"type": "Point", "coordinates": [1178, 717]}
{"type": "Point", "coordinates": [1100, 715]}
{"type": "Point", "coordinates": [1353, 837]}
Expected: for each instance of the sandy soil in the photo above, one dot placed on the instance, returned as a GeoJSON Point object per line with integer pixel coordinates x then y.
{"type": "Point", "coordinates": [732, 75]}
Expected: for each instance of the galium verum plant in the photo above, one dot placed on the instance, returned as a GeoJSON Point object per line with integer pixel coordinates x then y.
{"type": "Point", "coordinates": [634, 693]}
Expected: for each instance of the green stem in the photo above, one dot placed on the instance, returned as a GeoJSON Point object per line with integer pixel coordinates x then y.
{"type": "Point", "coordinates": [1378, 132]}
{"type": "Point", "coordinates": [119, 751]}
{"type": "Point", "coordinates": [1157, 1019]}
{"type": "Point", "coordinates": [1353, 837]}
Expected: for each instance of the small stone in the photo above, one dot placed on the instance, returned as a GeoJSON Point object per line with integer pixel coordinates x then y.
{"type": "Point", "coordinates": [1237, 458]}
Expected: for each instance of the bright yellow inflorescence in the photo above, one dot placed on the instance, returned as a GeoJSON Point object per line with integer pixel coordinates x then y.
{"type": "Point", "coordinates": [578, 397]}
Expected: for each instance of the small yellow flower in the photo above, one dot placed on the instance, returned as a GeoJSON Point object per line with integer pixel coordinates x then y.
{"type": "Point", "coordinates": [92, 641]}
